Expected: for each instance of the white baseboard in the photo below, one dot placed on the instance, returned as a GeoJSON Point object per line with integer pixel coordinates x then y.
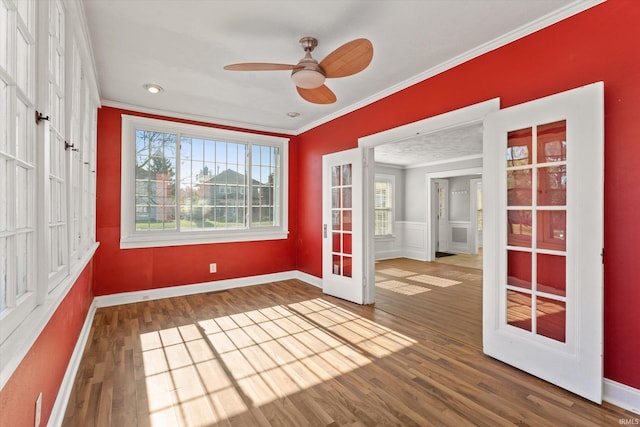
{"type": "Point", "coordinates": [62, 399]}
{"type": "Point", "coordinates": [176, 291]}
{"type": "Point", "coordinates": [312, 280]}
{"type": "Point", "coordinates": [621, 395]}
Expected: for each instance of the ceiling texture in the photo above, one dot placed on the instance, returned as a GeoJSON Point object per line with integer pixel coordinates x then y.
{"type": "Point", "coordinates": [183, 45]}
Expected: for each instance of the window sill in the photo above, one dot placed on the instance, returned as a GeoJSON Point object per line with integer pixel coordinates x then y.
{"type": "Point", "coordinates": [155, 240]}
{"type": "Point", "coordinates": [18, 344]}
{"type": "Point", "coordinates": [386, 238]}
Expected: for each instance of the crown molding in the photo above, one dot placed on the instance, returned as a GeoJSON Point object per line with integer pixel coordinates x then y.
{"type": "Point", "coordinates": [198, 118]}
{"type": "Point", "coordinates": [545, 21]}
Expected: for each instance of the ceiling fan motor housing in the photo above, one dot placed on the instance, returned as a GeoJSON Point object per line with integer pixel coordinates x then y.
{"type": "Point", "coordinates": [308, 74]}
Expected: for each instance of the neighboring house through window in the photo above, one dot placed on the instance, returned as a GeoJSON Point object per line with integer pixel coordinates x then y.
{"type": "Point", "coordinates": [187, 184]}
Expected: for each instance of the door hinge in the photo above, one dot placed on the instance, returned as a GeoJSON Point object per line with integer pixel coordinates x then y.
{"type": "Point", "coordinates": [602, 255]}
{"type": "Point", "coordinates": [325, 230]}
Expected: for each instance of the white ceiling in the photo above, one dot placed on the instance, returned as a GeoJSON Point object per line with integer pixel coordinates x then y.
{"type": "Point", "coordinates": [457, 143]}
{"type": "Point", "coordinates": [183, 45]}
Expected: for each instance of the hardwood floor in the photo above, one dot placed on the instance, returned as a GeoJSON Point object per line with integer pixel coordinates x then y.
{"type": "Point", "coordinates": [284, 354]}
{"type": "Point", "coordinates": [444, 297]}
{"type": "Point", "coordinates": [463, 260]}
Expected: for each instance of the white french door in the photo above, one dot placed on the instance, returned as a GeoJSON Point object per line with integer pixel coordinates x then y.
{"type": "Point", "coordinates": [342, 218]}
{"type": "Point", "coordinates": [543, 232]}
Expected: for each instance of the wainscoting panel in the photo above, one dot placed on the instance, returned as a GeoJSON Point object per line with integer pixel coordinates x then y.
{"type": "Point", "coordinates": [461, 238]}
{"type": "Point", "coordinates": [409, 240]}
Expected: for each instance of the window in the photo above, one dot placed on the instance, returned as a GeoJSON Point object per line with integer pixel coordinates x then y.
{"type": "Point", "coordinates": [47, 196]}
{"type": "Point", "coordinates": [384, 205]}
{"type": "Point", "coordinates": [17, 165]}
{"type": "Point", "coordinates": [187, 184]}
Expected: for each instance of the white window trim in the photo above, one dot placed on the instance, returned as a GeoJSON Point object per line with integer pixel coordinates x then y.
{"type": "Point", "coordinates": [392, 180]}
{"type": "Point", "coordinates": [130, 238]}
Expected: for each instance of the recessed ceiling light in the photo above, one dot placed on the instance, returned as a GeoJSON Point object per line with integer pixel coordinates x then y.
{"type": "Point", "coordinates": [153, 88]}
{"type": "Point", "coordinates": [293, 114]}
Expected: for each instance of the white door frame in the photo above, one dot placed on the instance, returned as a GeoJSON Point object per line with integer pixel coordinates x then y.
{"type": "Point", "coordinates": [432, 204]}
{"type": "Point", "coordinates": [473, 192]}
{"type": "Point", "coordinates": [468, 115]}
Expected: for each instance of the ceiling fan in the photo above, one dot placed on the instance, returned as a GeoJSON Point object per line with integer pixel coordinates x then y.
{"type": "Point", "coordinates": [309, 75]}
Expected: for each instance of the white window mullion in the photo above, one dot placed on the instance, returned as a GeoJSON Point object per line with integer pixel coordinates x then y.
{"type": "Point", "coordinates": [59, 170]}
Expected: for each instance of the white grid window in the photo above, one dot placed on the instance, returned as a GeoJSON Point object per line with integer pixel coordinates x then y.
{"type": "Point", "coordinates": [383, 225]}
{"type": "Point", "coordinates": [186, 184]}
{"type": "Point", "coordinates": [17, 164]}
{"type": "Point", "coordinates": [37, 173]}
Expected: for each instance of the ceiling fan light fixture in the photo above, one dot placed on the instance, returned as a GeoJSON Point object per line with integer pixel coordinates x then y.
{"type": "Point", "coordinates": [307, 79]}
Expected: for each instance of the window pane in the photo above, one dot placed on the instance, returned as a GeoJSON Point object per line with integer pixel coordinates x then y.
{"type": "Point", "coordinates": [551, 318]}
{"type": "Point", "coordinates": [23, 189]}
{"type": "Point", "coordinates": [519, 147]}
{"type": "Point", "coordinates": [23, 70]}
{"type": "Point", "coordinates": [23, 248]}
{"type": "Point", "coordinates": [4, 35]}
{"type": "Point", "coordinates": [552, 230]}
{"type": "Point", "coordinates": [3, 273]}
{"type": "Point", "coordinates": [519, 269]}
{"type": "Point", "coordinates": [519, 187]}
{"type": "Point", "coordinates": [4, 115]}
{"type": "Point", "coordinates": [519, 228]}
{"type": "Point", "coordinates": [552, 186]}
{"type": "Point", "coordinates": [519, 310]}
{"type": "Point", "coordinates": [552, 274]}
{"type": "Point", "coordinates": [155, 181]}
{"type": "Point", "coordinates": [23, 121]}
{"type": "Point", "coordinates": [552, 142]}
{"type": "Point", "coordinates": [4, 190]}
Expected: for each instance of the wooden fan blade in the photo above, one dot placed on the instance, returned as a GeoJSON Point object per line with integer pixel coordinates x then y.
{"type": "Point", "coordinates": [348, 59]}
{"type": "Point", "coordinates": [319, 95]}
{"type": "Point", "coordinates": [259, 66]}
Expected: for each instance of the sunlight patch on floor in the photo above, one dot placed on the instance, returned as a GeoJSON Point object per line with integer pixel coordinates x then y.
{"type": "Point", "coordinates": [396, 272]}
{"type": "Point", "coordinates": [208, 372]}
{"type": "Point", "coordinates": [434, 280]}
{"type": "Point", "coordinates": [401, 287]}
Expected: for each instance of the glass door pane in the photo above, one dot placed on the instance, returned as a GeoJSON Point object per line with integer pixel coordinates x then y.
{"type": "Point", "coordinates": [536, 267]}
{"type": "Point", "coordinates": [341, 214]}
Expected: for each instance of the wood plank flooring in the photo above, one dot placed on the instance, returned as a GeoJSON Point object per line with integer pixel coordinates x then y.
{"type": "Point", "coordinates": [284, 354]}
{"type": "Point", "coordinates": [440, 296]}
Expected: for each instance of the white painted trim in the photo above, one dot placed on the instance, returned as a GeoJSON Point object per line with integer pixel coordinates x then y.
{"type": "Point", "coordinates": [308, 278]}
{"type": "Point", "coordinates": [16, 347]}
{"type": "Point", "coordinates": [132, 238]}
{"type": "Point", "coordinates": [197, 118]}
{"type": "Point", "coordinates": [197, 288]}
{"type": "Point", "coordinates": [529, 28]}
{"type": "Point", "coordinates": [64, 392]}
{"type": "Point", "coordinates": [448, 120]}
{"type": "Point", "coordinates": [621, 395]}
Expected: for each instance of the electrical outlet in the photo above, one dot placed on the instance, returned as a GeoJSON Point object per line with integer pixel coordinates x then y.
{"type": "Point", "coordinates": [38, 410]}
{"type": "Point", "coordinates": [213, 267]}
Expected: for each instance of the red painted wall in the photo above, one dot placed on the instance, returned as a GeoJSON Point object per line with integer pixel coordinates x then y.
{"type": "Point", "coordinates": [43, 368]}
{"type": "Point", "coordinates": [600, 44]}
{"type": "Point", "coordinates": [149, 268]}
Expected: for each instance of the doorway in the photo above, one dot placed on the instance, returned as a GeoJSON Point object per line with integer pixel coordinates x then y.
{"type": "Point", "coordinates": [408, 284]}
